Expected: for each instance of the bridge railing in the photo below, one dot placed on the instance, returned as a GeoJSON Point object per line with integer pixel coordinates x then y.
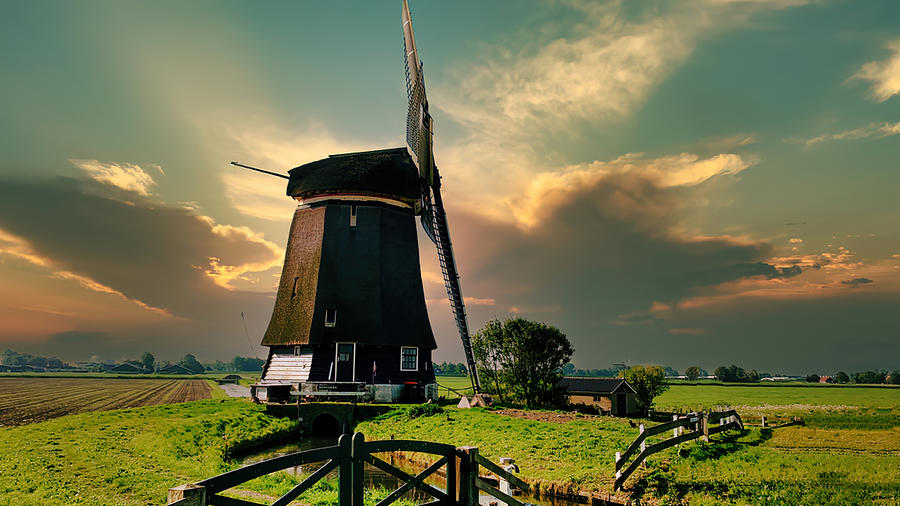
{"type": "Point", "coordinates": [349, 457]}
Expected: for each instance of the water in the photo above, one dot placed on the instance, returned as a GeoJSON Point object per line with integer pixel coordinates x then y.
{"type": "Point", "coordinates": [374, 477]}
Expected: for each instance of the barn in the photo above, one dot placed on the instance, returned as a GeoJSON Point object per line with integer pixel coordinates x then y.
{"type": "Point", "coordinates": [610, 395]}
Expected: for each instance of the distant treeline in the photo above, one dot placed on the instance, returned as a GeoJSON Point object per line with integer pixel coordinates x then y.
{"type": "Point", "coordinates": [863, 378]}
{"type": "Point", "coordinates": [19, 359]}
{"type": "Point", "coordinates": [450, 369]}
{"type": "Point", "coordinates": [147, 362]}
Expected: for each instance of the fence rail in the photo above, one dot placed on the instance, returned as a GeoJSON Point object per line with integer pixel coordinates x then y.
{"type": "Point", "coordinates": [350, 456]}
{"type": "Point", "coordinates": [697, 423]}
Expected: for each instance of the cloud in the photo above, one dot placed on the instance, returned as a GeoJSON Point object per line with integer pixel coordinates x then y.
{"type": "Point", "coordinates": [884, 75]}
{"type": "Point", "coordinates": [875, 130]}
{"type": "Point", "coordinates": [278, 150]}
{"type": "Point", "coordinates": [856, 282]}
{"type": "Point", "coordinates": [167, 258]}
{"type": "Point", "coordinates": [126, 176]}
{"type": "Point", "coordinates": [515, 104]}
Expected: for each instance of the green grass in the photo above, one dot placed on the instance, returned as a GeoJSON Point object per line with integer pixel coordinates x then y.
{"type": "Point", "coordinates": [847, 407]}
{"type": "Point", "coordinates": [458, 383]}
{"type": "Point", "coordinates": [786, 466]}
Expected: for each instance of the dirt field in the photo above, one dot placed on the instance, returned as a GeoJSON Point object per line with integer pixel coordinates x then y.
{"type": "Point", "coordinates": [29, 400]}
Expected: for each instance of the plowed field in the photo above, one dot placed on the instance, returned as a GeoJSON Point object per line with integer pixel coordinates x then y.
{"type": "Point", "coordinates": [29, 400]}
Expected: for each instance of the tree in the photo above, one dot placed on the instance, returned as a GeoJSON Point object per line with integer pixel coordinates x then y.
{"type": "Point", "coordinates": [734, 373]}
{"type": "Point", "coordinates": [813, 378]}
{"type": "Point", "coordinates": [692, 373]}
{"type": "Point", "coordinates": [190, 362]}
{"type": "Point", "coordinates": [841, 377]}
{"type": "Point", "coordinates": [522, 358]}
{"type": "Point", "coordinates": [895, 378]}
{"type": "Point", "coordinates": [148, 361]}
{"type": "Point", "coordinates": [648, 381]}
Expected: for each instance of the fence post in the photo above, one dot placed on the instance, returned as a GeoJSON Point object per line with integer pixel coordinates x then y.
{"type": "Point", "coordinates": [195, 494]}
{"type": "Point", "coordinates": [358, 465]}
{"type": "Point", "coordinates": [466, 473]}
{"type": "Point", "coordinates": [704, 421]}
{"type": "Point", "coordinates": [345, 471]}
{"type": "Point", "coordinates": [644, 442]}
{"type": "Point", "coordinates": [763, 421]}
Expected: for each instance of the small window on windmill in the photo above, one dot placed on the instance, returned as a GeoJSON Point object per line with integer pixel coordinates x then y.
{"type": "Point", "coordinates": [352, 215]}
{"type": "Point", "coordinates": [409, 358]}
{"type": "Point", "coordinates": [330, 316]}
{"type": "Point", "coordinates": [294, 289]}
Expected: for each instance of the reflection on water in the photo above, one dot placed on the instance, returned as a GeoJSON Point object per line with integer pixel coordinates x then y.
{"type": "Point", "coordinates": [374, 477]}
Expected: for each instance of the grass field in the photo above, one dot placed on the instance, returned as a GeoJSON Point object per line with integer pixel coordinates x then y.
{"type": "Point", "coordinates": [565, 453]}
{"type": "Point", "coordinates": [26, 400]}
{"type": "Point", "coordinates": [133, 456]}
{"type": "Point", "coordinates": [848, 452]}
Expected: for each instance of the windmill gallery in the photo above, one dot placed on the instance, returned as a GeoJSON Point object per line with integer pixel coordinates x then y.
{"type": "Point", "coordinates": [350, 321]}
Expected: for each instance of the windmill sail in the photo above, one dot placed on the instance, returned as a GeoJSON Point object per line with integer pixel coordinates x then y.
{"type": "Point", "coordinates": [451, 280]}
{"type": "Point", "coordinates": [419, 133]}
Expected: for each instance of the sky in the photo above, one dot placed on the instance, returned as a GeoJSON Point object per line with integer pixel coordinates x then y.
{"type": "Point", "coordinates": [680, 182]}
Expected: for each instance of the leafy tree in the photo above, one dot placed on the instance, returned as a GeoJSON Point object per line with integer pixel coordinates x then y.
{"type": "Point", "coordinates": [190, 362]}
{"type": "Point", "coordinates": [670, 371]}
{"type": "Point", "coordinates": [247, 364]}
{"type": "Point", "coordinates": [813, 378]}
{"type": "Point", "coordinates": [692, 373]}
{"type": "Point", "coordinates": [895, 378]}
{"type": "Point", "coordinates": [733, 373]}
{"type": "Point", "coordinates": [568, 369]}
{"type": "Point", "coordinates": [12, 358]}
{"type": "Point", "coordinates": [148, 361]}
{"type": "Point", "coordinates": [841, 377]}
{"type": "Point", "coordinates": [648, 382]}
{"type": "Point", "coordinates": [869, 377]}
{"type": "Point", "coordinates": [522, 358]}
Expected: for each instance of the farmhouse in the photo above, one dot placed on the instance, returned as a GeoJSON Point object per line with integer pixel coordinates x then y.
{"type": "Point", "coordinates": [611, 395]}
{"type": "Point", "coordinates": [175, 369]}
{"type": "Point", "coordinates": [127, 368]}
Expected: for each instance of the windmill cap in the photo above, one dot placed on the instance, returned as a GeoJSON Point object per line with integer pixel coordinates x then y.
{"type": "Point", "coordinates": [387, 173]}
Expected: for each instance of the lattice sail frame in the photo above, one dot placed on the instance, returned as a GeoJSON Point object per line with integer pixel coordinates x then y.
{"type": "Point", "coordinates": [419, 137]}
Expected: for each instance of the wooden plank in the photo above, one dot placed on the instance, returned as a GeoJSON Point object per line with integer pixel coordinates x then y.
{"type": "Point", "coordinates": [227, 480]}
{"type": "Point", "coordinates": [306, 483]}
{"type": "Point", "coordinates": [659, 429]}
{"type": "Point", "coordinates": [499, 471]}
{"type": "Point", "coordinates": [408, 445]}
{"type": "Point", "coordinates": [508, 499]}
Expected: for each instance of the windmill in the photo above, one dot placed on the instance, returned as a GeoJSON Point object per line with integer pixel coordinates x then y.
{"type": "Point", "coordinates": [419, 137]}
{"type": "Point", "coordinates": [349, 319]}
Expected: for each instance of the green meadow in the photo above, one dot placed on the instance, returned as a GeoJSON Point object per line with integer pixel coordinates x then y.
{"type": "Point", "coordinates": [846, 452]}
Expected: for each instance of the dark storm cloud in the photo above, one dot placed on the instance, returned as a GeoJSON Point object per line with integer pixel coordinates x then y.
{"type": "Point", "coordinates": [856, 282]}
{"type": "Point", "coordinates": [148, 251]}
{"type": "Point", "coordinates": [595, 265]}
{"type": "Point", "coordinates": [608, 250]}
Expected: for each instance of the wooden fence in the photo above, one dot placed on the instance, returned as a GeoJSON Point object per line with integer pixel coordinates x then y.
{"type": "Point", "coordinates": [349, 457]}
{"type": "Point", "coordinates": [698, 425]}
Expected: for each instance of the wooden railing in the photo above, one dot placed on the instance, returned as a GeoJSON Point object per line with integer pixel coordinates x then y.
{"type": "Point", "coordinates": [696, 423]}
{"type": "Point", "coordinates": [349, 457]}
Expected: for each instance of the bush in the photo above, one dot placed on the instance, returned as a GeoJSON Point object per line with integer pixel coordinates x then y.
{"type": "Point", "coordinates": [424, 410]}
